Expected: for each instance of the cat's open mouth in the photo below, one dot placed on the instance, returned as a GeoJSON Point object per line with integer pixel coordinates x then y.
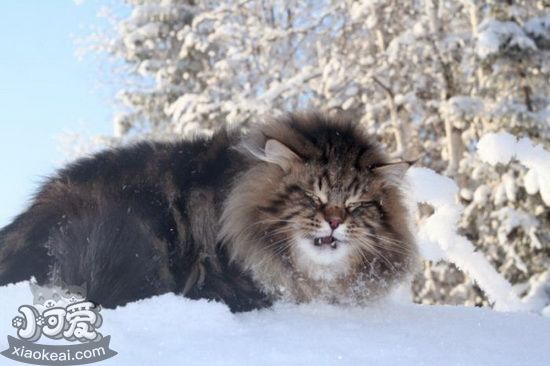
{"type": "Point", "coordinates": [326, 241]}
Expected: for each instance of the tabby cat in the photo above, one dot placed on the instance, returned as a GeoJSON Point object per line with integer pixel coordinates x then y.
{"type": "Point", "coordinates": [305, 207]}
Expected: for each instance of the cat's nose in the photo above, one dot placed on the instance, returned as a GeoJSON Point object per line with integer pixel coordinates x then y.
{"type": "Point", "coordinates": [334, 222]}
{"type": "Point", "coordinates": [334, 215]}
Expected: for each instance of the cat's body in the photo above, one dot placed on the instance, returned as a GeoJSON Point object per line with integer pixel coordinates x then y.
{"type": "Point", "coordinates": [239, 219]}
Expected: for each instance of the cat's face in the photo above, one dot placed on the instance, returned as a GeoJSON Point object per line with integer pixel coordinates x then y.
{"type": "Point", "coordinates": [330, 218]}
{"type": "Point", "coordinates": [323, 202]}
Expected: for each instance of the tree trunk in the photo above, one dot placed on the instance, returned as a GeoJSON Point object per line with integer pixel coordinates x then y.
{"type": "Point", "coordinates": [401, 127]}
{"type": "Point", "coordinates": [455, 148]}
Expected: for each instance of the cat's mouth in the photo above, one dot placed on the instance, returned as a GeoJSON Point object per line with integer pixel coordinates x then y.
{"type": "Point", "coordinates": [326, 241]}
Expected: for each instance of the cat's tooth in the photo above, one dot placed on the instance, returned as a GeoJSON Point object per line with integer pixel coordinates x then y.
{"type": "Point", "coordinates": [317, 241]}
{"type": "Point", "coordinates": [333, 245]}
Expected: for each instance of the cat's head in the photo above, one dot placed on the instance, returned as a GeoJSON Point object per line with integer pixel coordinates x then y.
{"type": "Point", "coordinates": [321, 199]}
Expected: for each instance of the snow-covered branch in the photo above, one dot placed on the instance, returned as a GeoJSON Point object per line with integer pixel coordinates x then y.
{"type": "Point", "coordinates": [438, 237]}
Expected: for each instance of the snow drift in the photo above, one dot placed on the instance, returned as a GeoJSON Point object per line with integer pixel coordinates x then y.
{"type": "Point", "coordinates": [170, 330]}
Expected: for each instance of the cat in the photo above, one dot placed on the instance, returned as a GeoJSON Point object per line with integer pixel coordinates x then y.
{"type": "Point", "coordinates": [305, 207]}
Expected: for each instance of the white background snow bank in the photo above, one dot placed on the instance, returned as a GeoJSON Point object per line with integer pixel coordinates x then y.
{"type": "Point", "coordinates": [170, 330]}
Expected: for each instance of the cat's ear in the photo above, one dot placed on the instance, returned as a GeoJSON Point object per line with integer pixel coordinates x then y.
{"type": "Point", "coordinates": [278, 153]}
{"type": "Point", "coordinates": [395, 170]}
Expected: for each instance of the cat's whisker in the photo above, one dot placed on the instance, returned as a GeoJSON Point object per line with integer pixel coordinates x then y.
{"type": "Point", "coordinates": [378, 250]}
{"type": "Point", "coordinates": [372, 248]}
{"type": "Point", "coordinates": [394, 245]}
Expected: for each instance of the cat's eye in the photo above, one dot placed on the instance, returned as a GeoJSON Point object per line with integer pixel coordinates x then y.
{"type": "Point", "coordinates": [316, 201]}
{"type": "Point", "coordinates": [352, 206]}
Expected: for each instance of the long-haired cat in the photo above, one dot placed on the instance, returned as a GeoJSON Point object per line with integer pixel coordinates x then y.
{"type": "Point", "coordinates": [301, 208]}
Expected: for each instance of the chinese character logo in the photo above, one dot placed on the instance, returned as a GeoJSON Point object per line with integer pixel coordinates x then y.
{"type": "Point", "coordinates": [59, 312]}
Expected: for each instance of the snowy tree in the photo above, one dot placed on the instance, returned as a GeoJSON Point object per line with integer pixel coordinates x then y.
{"type": "Point", "coordinates": [505, 215]}
{"type": "Point", "coordinates": [151, 45]}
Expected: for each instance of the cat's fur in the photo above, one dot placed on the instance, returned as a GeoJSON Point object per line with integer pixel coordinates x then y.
{"type": "Point", "coordinates": [305, 207]}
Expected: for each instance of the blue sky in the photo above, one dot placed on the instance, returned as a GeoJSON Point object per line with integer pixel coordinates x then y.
{"type": "Point", "coordinates": [44, 91]}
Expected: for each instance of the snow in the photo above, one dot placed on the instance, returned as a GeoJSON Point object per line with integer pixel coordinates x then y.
{"type": "Point", "coordinates": [482, 194]}
{"type": "Point", "coordinates": [437, 234]}
{"type": "Point", "coordinates": [496, 148]}
{"type": "Point", "coordinates": [539, 29]}
{"type": "Point", "coordinates": [496, 36]}
{"type": "Point", "coordinates": [438, 239]}
{"type": "Point", "coordinates": [538, 294]}
{"type": "Point", "coordinates": [169, 330]}
{"type": "Point", "coordinates": [501, 147]}
{"type": "Point", "coordinates": [307, 73]}
{"type": "Point", "coordinates": [510, 187]}
{"type": "Point", "coordinates": [531, 182]}
{"type": "Point", "coordinates": [462, 108]}
{"type": "Point", "coordinates": [510, 219]}
{"type": "Point", "coordinates": [446, 188]}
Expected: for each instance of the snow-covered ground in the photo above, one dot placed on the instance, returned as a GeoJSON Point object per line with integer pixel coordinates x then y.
{"type": "Point", "coordinates": [170, 330]}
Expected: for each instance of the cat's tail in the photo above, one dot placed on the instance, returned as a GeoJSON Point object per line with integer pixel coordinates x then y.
{"type": "Point", "coordinates": [67, 241]}
{"type": "Point", "coordinates": [23, 250]}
